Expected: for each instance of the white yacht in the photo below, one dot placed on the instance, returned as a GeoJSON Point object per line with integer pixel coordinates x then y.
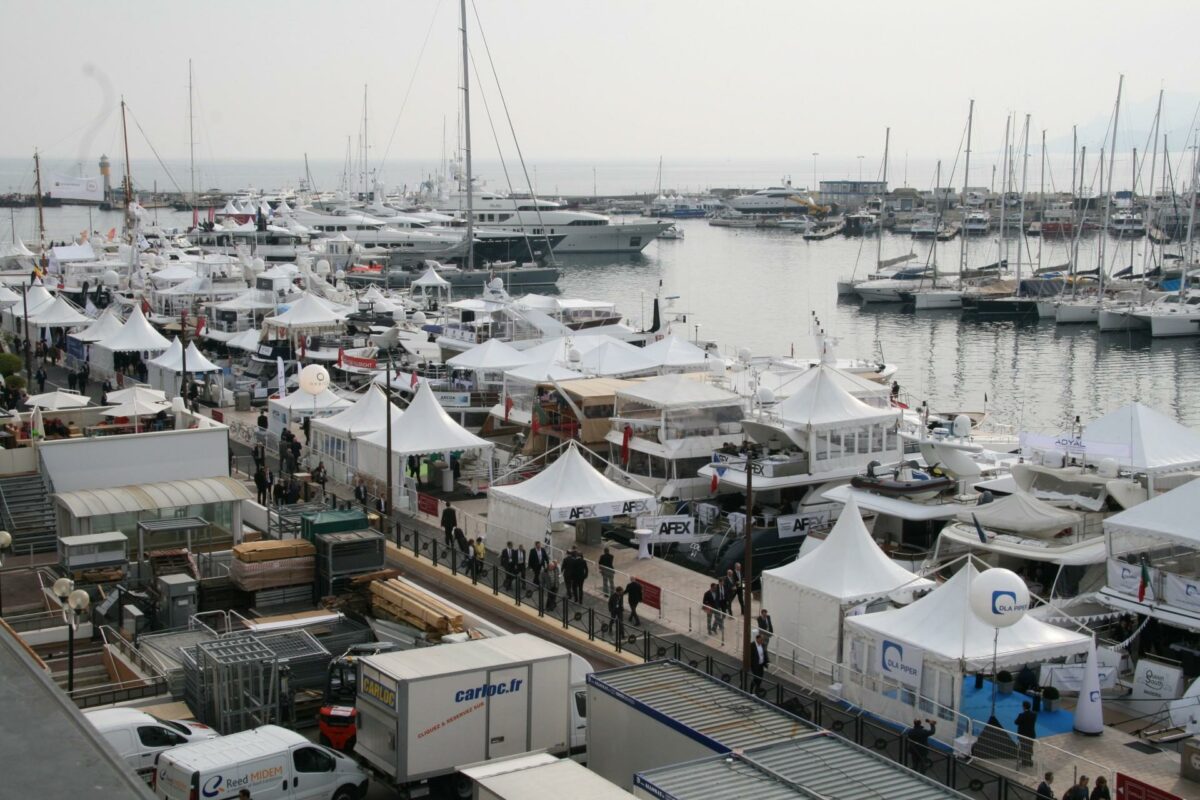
{"type": "Point", "coordinates": [977, 221]}
{"type": "Point", "coordinates": [773, 200]}
{"type": "Point", "coordinates": [582, 231]}
{"type": "Point", "coordinates": [375, 236]}
{"type": "Point", "coordinates": [1171, 316]}
{"type": "Point", "coordinates": [1126, 224]}
{"type": "Point", "coordinates": [926, 225]}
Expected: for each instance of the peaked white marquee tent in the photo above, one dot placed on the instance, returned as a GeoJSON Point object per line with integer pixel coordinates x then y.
{"type": "Point", "coordinates": [336, 437]}
{"type": "Point", "coordinates": [809, 598]}
{"type": "Point", "coordinates": [135, 336]}
{"type": "Point", "coordinates": [494, 355]}
{"type": "Point", "coordinates": [617, 359]}
{"type": "Point", "coordinates": [1152, 442]}
{"type": "Point", "coordinates": [298, 405]}
{"type": "Point", "coordinates": [308, 312]}
{"type": "Point", "coordinates": [108, 323]}
{"type": "Point", "coordinates": [59, 314]}
{"type": "Point", "coordinates": [677, 355]}
{"type": "Point", "coordinates": [164, 370]}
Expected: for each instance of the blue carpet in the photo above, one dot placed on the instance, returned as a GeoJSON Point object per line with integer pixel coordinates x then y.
{"type": "Point", "coordinates": [977, 704]}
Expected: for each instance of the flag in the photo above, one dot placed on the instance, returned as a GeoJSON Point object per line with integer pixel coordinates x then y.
{"type": "Point", "coordinates": [112, 234]}
{"type": "Point", "coordinates": [145, 306]}
{"type": "Point", "coordinates": [508, 404]}
{"type": "Point", "coordinates": [303, 342]}
{"type": "Point", "coordinates": [538, 417]}
{"type": "Point", "coordinates": [979, 530]}
{"type": "Point", "coordinates": [413, 383]}
{"type": "Point", "coordinates": [341, 355]}
{"type": "Point", "coordinates": [626, 435]}
{"type": "Point", "coordinates": [714, 483]}
{"type": "Point", "coordinates": [201, 323]}
{"type": "Point", "coordinates": [280, 376]}
{"type": "Point", "coordinates": [1144, 581]}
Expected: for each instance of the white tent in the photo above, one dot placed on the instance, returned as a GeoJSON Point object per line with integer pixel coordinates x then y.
{"type": "Point", "coordinates": [1171, 515]}
{"type": "Point", "coordinates": [164, 369]}
{"type": "Point", "coordinates": [677, 390]}
{"type": "Point", "coordinates": [105, 325]}
{"type": "Point", "coordinates": [247, 340]}
{"type": "Point", "coordinates": [941, 639]}
{"type": "Point", "coordinates": [307, 313]}
{"type": "Point", "coordinates": [542, 372]}
{"type": "Point", "coordinates": [559, 349]}
{"type": "Point", "coordinates": [250, 300]}
{"type": "Point", "coordinates": [15, 251]}
{"type": "Point", "coordinates": [136, 335]}
{"type": "Point", "coordinates": [36, 298]}
{"type": "Point", "coordinates": [819, 400]}
{"type": "Point", "coordinates": [617, 359]}
{"type": "Point", "coordinates": [1021, 513]}
{"type": "Point", "coordinates": [492, 355]}
{"type": "Point", "coordinates": [298, 405]}
{"type": "Point", "coordinates": [809, 597]}
{"type": "Point", "coordinates": [336, 437]}
{"type": "Point", "coordinates": [139, 390]}
{"type": "Point", "coordinates": [58, 314]}
{"type": "Point", "coordinates": [569, 489]}
{"type": "Point", "coordinates": [7, 296]}
{"type": "Point", "coordinates": [175, 272]}
{"type": "Point", "coordinates": [430, 279]}
{"type": "Point", "coordinates": [57, 400]}
{"type": "Point", "coordinates": [65, 254]}
{"type": "Point", "coordinates": [1152, 442]}
{"type": "Point", "coordinates": [675, 354]}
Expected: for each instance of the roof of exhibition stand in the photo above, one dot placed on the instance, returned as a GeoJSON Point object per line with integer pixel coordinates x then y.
{"type": "Point", "coordinates": [849, 565]}
{"type": "Point", "coordinates": [249, 300]}
{"type": "Point", "coordinates": [364, 417]}
{"type": "Point", "coordinates": [558, 349]}
{"type": "Point", "coordinates": [1171, 515]}
{"type": "Point", "coordinates": [677, 390]}
{"type": "Point", "coordinates": [671, 351]}
{"type": "Point", "coordinates": [135, 335]}
{"type": "Point", "coordinates": [247, 340]}
{"type": "Point", "coordinates": [73, 252]}
{"type": "Point", "coordinates": [1155, 442]}
{"type": "Point", "coordinates": [36, 297]}
{"type": "Point", "coordinates": [819, 401]}
{"type": "Point", "coordinates": [542, 372]}
{"type": "Point", "coordinates": [172, 359]}
{"type": "Point", "coordinates": [425, 427]}
{"type": "Point", "coordinates": [944, 626]}
{"type": "Point", "coordinates": [615, 358]}
{"type": "Point", "coordinates": [493, 354]}
{"type": "Point", "coordinates": [107, 324]}
{"type": "Point", "coordinates": [430, 279]}
{"type": "Point", "coordinates": [569, 482]}
{"type": "Point", "coordinates": [59, 314]}
{"type": "Point", "coordinates": [309, 311]}
{"type": "Point", "coordinates": [303, 401]}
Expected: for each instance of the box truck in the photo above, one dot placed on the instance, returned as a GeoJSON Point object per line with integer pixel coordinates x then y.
{"type": "Point", "coordinates": [424, 713]}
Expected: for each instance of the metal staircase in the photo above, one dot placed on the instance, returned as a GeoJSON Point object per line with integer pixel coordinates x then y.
{"type": "Point", "coordinates": [28, 514]}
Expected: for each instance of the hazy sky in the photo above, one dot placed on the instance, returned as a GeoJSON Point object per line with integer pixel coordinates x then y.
{"type": "Point", "coordinates": [603, 79]}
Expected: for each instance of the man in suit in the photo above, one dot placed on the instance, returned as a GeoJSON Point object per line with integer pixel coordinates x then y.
{"type": "Point", "coordinates": [633, 594]}
{"type": "Point", "coordinates": [740, 586]}
{"type": "Point", "coordinates": [730, 587]}
{"type": "Point", "coordinates": [765, 626]}
{"type": "Point", "coordinates": [1045, 791]}
{"type": "Point", "coordinates": [758, 663]}
{"type": "Point", "coordinates": [616, 610]}
{"type": "Point", "coordinates": [538, 558]}
{"type": "Point", "coordinates": [522, 563]}
{"type": "Point", "coordinates": [449, 521]}
{"type": "Point", "coordinates": [508, 563]}
{"type": "Point", "coordinates": [712, 608]}
{"type": "Point", "coordinates": [1027, 730]}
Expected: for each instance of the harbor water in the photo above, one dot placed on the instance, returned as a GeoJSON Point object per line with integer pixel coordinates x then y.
{"type": "Point", "coordinates": [759, 288]}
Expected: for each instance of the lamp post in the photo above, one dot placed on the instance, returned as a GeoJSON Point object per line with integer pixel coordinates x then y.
{"type": "Point", "coordinates": [860, 160]}
{"type": "Point", "coordinates": [814, 186]}
{"type": "Point", "coordinates": [5, 543]}
{"type": "Point", "coordinates": [74, 602]}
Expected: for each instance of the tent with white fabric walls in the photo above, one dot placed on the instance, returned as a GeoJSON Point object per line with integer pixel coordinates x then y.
{"type": "Point", "coordinates": [164, 370]}
{"type": "Point", "coordinates": [298, 405]}
{"type": "Point", "coordinates": [335, 438]}
{"type": "Point", "coordinates": [568, 490]}
{"type": "Point", "coordinates": [425, 429]}
{"type": "Point", "coordinates": [810, 597]}
{"type": "Point", "coordinates": [1143, 440]}
{"type": "Point", "coordinates": [940, 640]}
{"type": "Point", "coordinates": [137, 335]}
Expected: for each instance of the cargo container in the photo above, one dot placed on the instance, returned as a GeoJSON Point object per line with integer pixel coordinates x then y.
{"type": "Point", "coordinates": [539, 776]}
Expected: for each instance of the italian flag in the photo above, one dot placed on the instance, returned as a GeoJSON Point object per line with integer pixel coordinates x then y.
{"type": "Point", "coordinates": [1143, 582]}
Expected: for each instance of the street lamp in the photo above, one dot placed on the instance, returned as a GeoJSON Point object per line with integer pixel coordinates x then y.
{"type": "Point", "coordinates": [5, 543]}
{"type": "Point", "coordinates": [860, 159]}
{"type": "Point", "coordinates": [814, 186]}
{"type": "Point", "coordinates": [74, 602]}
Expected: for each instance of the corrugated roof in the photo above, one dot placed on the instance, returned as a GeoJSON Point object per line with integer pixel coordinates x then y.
{"type": "Point", "coordinates": [711, 708]}
{"type": "Point", "coordinates": [151, 496]}
{"type": "Point", "coordinates": [820, 766]}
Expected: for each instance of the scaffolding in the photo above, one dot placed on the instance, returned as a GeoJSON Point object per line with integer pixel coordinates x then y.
{"type": "Point", "coordinates": [238, 684]}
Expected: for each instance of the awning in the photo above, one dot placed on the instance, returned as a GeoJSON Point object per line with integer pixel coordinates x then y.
{"type": "Point", "coordinates": [152, 496]}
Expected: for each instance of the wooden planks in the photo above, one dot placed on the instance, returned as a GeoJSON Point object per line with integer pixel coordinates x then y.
{"type": "Point", "coordinates": [404, 603]}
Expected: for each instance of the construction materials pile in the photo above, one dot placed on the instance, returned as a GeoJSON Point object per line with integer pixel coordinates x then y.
{"type": "Point", "coordinates": [272, 564]}
{"type": "Point", "coordinates": [396, 600]}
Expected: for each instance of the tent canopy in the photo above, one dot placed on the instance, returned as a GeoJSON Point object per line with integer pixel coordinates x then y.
{"type": "Point", "coordinates": [493, 354]}
{"type": "Point", "coordinates": [677, 390]}
{"type": "Point", "coordinates": [107, 324]}
{"type": "Point", "coordinates": [58, 314]}
{"type": "Point", "coordinates": [425, 427]}
{"type": "Point", "coordinates": [541, 372]}
{"type": "Point", "coordinates": [307, 312]}
{"type": "Point", "coordinates": [172, 359]}
{"type": "Point", "coordinates": [944, 626]}
{"type": "Point", "coordinates": [36, 298]}
{"type": "Point", "coordinates": [303, 401]}
{"type": "Point", "coordinates": [849, 565]}
{"type": "Point", "coordinates": [1020, 512]}
{"type": "Point", "coordinates": [57, 400]}
{"type": "Point", "coordinates": [430, 280]}
{"type": "Point", "coordinates": [137, 401]}
{"type": "Point", "coordinates": [559, 348]}
{"type": "Point", "coordinates": [365, 416]}
{"type": "Point", "coordinates": [819, 401]}
{"type": "Point", "coordinates": [72, 252]}
{"type": "Point", "coordinates": [571, 488]}
{"type": "Point", "coordinates": [249, 300]}
{"type": "Point", "coordinates": [138, 390]}
{"type": "Point", "coordinates": [1155, 442]}
{"type": "Point", "coordinates": [671, 351]}
{"type": "Point", "coordinates": [136, 335]}
{"type": "Point", "coordinates": [616, 358]}
{"type": "Point", "coordinates": [247, 340]}
{"type": "Point", "coordinates": [1171, 515]}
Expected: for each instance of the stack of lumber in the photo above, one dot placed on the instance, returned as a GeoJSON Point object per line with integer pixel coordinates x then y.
{"type": "Point", "coordinates": [393, 599]}
{"type": "Point", "coordinates": [356, 599]}
{"type": "Point", "coordinates": [272, 564]}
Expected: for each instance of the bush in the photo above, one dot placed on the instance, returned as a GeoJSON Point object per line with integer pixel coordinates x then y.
{"type": "Point", "coordinates": [1004, 676]}
{"type": "Point", "coordinates": [10, 364]}
{"type": "Point", "coordinates": [1050, 693]}
{"type": "Point", "coordinates": [15, 382]}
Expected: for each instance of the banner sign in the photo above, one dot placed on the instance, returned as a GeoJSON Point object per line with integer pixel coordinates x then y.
{"type": "Point", "coordinates": [1181, 591]}
{"type": "Point", "coordinates": [679, 528]}
{"type": "Point", "coordinates": [453, 399]}
{"type": "Point", "coordinates": [427, 504]}
{"type": "Point", "coordinates": [358, 361]}
{"type": "Point", "coordinates": [901, 662]}
{"type": "Point", "coordinates": [625, 508]}
{"type": "Point", "coordinates": [1126, 578]}
{"type": "Point", "coordinates": [793, 525]}
{"type": "Point", "coordinates": [67, 188]}
{"type": "Point", "coordinates": [651, 594]}
{"type": "Point", "coordinates": [1153, 680]}
{"type": "Point", "coordinates": [1066, 443]}
{"type": "Point", "coordinates": [1132, 789]}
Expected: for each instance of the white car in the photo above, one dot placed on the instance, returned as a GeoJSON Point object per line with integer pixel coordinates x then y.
{"type": "Point", "coordinates": [138, 737]}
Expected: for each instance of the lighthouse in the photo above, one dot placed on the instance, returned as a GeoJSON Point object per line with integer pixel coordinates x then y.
{"type": "Point", "coordinates": [106, 176]}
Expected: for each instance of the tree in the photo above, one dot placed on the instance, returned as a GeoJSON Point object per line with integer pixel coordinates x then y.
{"type": "Point", "coordinates": [10, 364]}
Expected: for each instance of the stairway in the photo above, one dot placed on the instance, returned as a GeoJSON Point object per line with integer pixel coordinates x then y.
{"type": "Point", "coordinates": [28, 513]}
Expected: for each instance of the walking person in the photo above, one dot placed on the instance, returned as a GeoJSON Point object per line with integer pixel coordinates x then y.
{"type": "Point", "coordinates": [606, 571]}
{"type": "Point", "coordinates": [579, 573]}
{"type": "Point", "coordinates": [1027, 730]}
{"type": "Point", "coordinates": [758, 663]}
{"type": "Point", "coordinates": [1044, 790]}
{"type": "Point", "coordinates": [765, 626]}
{"type": "Point", "coordinates": [616, 610]}
{"type": "Point", "coordinates": [1100, 790]}
{"type": "Point", "coordinates": [538, 560]}
{"type": "Point", "coordinates": [508, 563]}
{"type": "Point", "coordinates": [712, 608]}
{"type": "Point", "coordinates": [548, 580]}
{"type": "Point", "coordinates": [918, 745]}
{"type": "Point", "coordinates": [466, 551]}
{"type": "Point", "coordinates": [1079, 791]}
{"type": "Point", "coordinates": [40, 377]}
{"type": "Point", "coordinates": [449, 522]}
{"type": "Point", "coordinates": [480, 555]}
{"type": "Point", "coordinates": [739, 586]}
{"type": "Point", "coordinates": [633, 594]}
{"type": "Point", "coordinates": [260, 483]}
{"type": "Point", "coordinates": [360, 492]}
{"type": "Point", "coordinates": [731, 586]}
{"type": "Point", "coordinates": [522, 563]}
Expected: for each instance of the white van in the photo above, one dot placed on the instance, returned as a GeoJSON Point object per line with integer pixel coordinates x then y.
{"type": "Point", "coordinates": [138, 736]}
{"type": "Point", "coordinates": [273, 763]}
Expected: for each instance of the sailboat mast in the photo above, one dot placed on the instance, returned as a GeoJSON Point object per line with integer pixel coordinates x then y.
{"type": "Point", "coordinates": [962, 253]}
{"type": "Point", "coordinates": [466, 74]}
{"type": "Point", "coordinates": [1150, 189]}
{"type": "Point", "coordinates": [191, 148]}
{"type": "Point", "coordinates": [1187, 253]}
{"type": "Point", "coordinates": [1004, 193]}
{"type": "Point", "coordinates": [1024, 175]}
{"type": "Point", "coordinates": [367, 188]}
{"type": "Point", "coordinates": [887, 140]}
{"type": "Point", "coordinates": [37, 177]}
{"type": "Point", "coordinates": [937, 187]}
{"type": "Point", "coordinates": [1112, 152]}
{"type": "Point", "coordinates": [1042, 197]}
{"type": "Point", "coordinates": [128, 172]}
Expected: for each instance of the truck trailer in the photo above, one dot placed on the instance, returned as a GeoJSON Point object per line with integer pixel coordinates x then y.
{"type": "Point", "coordinates": [422, 714]}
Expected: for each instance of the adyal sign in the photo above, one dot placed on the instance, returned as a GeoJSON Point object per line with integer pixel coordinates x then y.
{"type": "Point", "coordinates": [794, 525]}
{"type": "Point", "coordinates": [901, 662]}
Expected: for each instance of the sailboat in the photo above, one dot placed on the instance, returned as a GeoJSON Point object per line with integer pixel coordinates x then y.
{"type": "Point", "coordinates": [1178, 315]}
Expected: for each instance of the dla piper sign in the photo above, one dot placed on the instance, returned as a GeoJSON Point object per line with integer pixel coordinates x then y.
{"type": "Point", "coordinates": [793, 525]}
{"type": "Point", "coordinates": [679, 528]}
{"type": "Point", "coordinates": [625, 508]}
{"type": "Point", "coordinates": [901, 662]}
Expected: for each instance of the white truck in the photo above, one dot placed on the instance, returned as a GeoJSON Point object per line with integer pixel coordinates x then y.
{"type": "Point", "coordinates": [424, 713]}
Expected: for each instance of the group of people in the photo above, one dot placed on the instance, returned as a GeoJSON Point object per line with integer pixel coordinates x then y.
{"type": "Point", "coordinates": [1077, 790]}
{"type": "Point", "coordinates": [718, 600]}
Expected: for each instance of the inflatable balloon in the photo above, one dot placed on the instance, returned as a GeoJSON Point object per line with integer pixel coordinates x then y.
{"type": "Point", "coordinates": [999, 597]}
{"type": "Point", "coordinates": [314, 379]}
